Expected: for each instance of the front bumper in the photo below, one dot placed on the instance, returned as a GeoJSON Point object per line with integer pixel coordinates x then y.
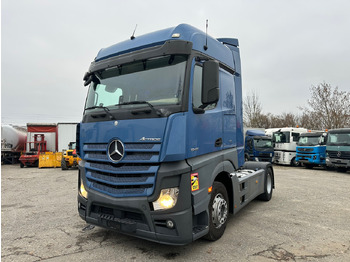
{"type": "Point", "coordinates": [336, 162]}
{"type": "Point", "coordinates": [311, 159]}
{"type": "Point", "coordinates": [135, 215]}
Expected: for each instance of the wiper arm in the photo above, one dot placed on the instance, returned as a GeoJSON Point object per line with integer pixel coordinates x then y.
{"type": "Point", "coordinates": [157, 111]}
{"type": "Point", "coordinates": [106, 109]}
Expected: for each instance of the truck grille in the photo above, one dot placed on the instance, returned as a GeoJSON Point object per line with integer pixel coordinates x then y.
{"type": "Point", "coordinates": [339, 154]}
{"type": "Point", "coordinates": [264, 155]}
{"type": "Point", "coordinates": [134, 175]}
{"type": "Point", "coordinates": [305, 149]}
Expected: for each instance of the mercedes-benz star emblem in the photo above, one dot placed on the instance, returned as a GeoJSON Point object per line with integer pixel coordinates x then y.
{"type": "Point", "coordinates": [116, 151]}
{"type": "Point", "coordinates": [339, 154]}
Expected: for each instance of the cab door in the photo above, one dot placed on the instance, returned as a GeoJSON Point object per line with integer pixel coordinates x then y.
{"type": "Point", "coordinates": [204, 122]}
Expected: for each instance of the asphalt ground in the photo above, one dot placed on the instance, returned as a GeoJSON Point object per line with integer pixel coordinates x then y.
{"type": "Point", "coordinates": [307, 219]}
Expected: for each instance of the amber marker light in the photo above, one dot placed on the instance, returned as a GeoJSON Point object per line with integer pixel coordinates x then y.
{"type": "Point", "coordinates": [210, 189]}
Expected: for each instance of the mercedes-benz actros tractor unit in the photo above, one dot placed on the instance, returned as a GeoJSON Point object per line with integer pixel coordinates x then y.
{"type": "Point", "coordinates": [161, 138]}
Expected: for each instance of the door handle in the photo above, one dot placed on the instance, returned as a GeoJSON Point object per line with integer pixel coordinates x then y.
{"type": "Point", "coordinates": [218, 142]}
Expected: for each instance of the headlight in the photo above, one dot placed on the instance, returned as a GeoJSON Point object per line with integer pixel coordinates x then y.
{"type": "Point", "coordinates": [82, 190]}
{"type": "Point", "coordinates": [167, 198]}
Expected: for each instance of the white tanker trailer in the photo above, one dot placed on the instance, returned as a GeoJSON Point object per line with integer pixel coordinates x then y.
{"type": "Point", "coordinates": [13, 141]}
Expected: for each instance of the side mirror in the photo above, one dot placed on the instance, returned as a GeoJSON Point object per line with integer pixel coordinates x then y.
{"type": "Point", "coordinates": [210, 82]}
{"type": "Point", "coordinates": [87, 79]}
{"type": "Point", "coordinates": [90, 77]}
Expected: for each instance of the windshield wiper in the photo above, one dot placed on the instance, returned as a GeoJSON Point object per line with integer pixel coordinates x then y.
{"type": "Point", "coordinates": [157, 111]}
{"type": "Point", "coordinates": [106, 109]}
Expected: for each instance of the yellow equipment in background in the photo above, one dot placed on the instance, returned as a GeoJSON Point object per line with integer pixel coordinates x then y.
{"type": "Point", "coordinates": [50, 159]}
{"type": "Point", "coordinates": [70, 157]}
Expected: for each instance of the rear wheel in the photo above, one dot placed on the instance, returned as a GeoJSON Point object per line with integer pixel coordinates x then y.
{"type": "Point", "coordinates": [267, 195]}
{"type": "Point", "coordinates": [218, 211]}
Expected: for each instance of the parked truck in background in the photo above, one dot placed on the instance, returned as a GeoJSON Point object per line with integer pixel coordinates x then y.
{"type": "Point", "coordinates": [161, 139]}
{"type": "Point", "coordinates": [311, 149]}
{"type": "Point", "coordinates": [257, 146]}
{"type": "Point", "coordinates": [338, 149]}
{"type": "Point", "coordinates": [13, 141]}
{"type": "Point", "coordinates": [285, 143]}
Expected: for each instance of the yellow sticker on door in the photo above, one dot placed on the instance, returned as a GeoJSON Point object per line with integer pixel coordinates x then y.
{"type": "Point", "coordinates": [194, 182]}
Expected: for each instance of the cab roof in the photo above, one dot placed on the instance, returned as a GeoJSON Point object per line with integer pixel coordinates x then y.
{"type": "Point", "coordinates": [219, 50]}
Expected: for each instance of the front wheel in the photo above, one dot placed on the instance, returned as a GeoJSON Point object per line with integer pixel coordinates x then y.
{"type": "Point", "coordinates": [341, 169]}
{"type": "Point", "coordinates": [64, 164]}
{"type": "Point", "coordinates": [309, 166]}
{"type": "Point", "coordinates": [294, 162]}
{"type": "Point", "coordinates": [218, 211]}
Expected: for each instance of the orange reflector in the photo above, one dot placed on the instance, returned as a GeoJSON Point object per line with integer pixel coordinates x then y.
{"type": "Point", "coordinates": [210, 189]}
{"type": "Point", "coordinates": [256, 181]}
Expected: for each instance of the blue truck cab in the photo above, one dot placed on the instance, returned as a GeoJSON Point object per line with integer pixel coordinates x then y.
{"type": "Point", "coordinates": [258, 146]}
{"type": "Point", "coordinates": [311, 149]}
{"type": "Point", "coordinates": [161, 138]}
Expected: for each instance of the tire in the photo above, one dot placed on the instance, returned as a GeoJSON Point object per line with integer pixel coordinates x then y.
{"type": "Point", "coordinates": [294, 162]}
{"type": "Point", "coordinates": [268, 186]}
{"type": "Point", "coordinates": [218, 211]}
{"type": "Point", "coordinates": [341, 169]}
{"type": "Point", "coordinates": [309, 166]}
{"type": "Point", "coordinates": [63, 164]}
{"type": "Point", "coordinates": [21, 165]}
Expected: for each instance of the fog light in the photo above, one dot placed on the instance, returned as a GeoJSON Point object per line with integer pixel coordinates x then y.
{"type": "Point", "coordinates": [82, 190]}
{"type": "Point", "coordinates": [167, 199]}
{"type": "Point", "coordinates": [170, 224]}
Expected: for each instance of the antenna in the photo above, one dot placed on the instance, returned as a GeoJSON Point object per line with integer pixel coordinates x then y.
{"type": "Point", "coordinates": [133, 34]}
{"type": "Point", "coordinates": [206, 36]}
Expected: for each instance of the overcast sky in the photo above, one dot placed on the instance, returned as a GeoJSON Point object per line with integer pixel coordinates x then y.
{"type": "Point", "coordinates": [286, 46]}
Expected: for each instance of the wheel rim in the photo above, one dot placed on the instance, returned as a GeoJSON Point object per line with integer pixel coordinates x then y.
{"type": "Point", "coordinates": [219, 210]}
{"type": "Point", "coordinates": [269, 184]}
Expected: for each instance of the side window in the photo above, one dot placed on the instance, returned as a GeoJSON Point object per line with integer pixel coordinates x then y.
{"type": "Point", "coordinates": [295, 137]}
{"type": "Point", "coordinates": [197, 90]}
{"type": "Point", "coordinates": [197, 87]}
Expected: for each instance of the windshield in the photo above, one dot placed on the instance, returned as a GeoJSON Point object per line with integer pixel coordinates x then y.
{"type": "Point", "coordinates": [309, 141]}
{"type": "Point", "coordinates": [281, 137]}
{"type": "Point", "coordinates": [158, 81]}
{"type": "Point", "coordinates": [262, 143]}
{"type": "Point", "coordinates": [342, 139]}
